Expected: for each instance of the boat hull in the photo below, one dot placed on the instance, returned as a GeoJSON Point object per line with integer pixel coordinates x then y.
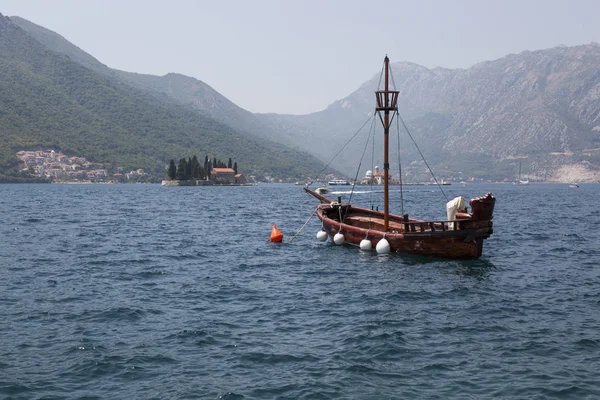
{"type": "Point", "coordinates": [459, 239]}
{"type": "Point", "coordinates": [430, 245]}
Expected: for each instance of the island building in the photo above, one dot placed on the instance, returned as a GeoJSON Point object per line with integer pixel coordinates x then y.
{"type": "Point", "coordinates": [376, 178]}
{"type": "Point", "coordinates": [226, 175]}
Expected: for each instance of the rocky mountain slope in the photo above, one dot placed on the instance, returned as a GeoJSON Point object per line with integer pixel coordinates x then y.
{"type": "Point", "coordinates": [541, 107]}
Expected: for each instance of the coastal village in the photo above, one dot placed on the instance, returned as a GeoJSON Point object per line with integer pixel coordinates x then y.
{"type": "Point", "coordinates": [58, 167]}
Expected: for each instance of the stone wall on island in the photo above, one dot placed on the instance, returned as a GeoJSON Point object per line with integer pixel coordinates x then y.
{"type": "Point", "coordinates": [175, 182]}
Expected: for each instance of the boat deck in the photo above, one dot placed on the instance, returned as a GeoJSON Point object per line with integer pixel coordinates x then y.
{"type": "Point", "coordinates": [368, 222]}
{"type": "Point", "coordinates": [410, 226]}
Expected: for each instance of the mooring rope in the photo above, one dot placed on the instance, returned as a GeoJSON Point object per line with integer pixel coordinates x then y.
{"type": "Point", "coordinates": [302, 227]}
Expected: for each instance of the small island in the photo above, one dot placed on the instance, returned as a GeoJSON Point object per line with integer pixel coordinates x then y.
{"type": "Point", "coordinates": [213, 172]}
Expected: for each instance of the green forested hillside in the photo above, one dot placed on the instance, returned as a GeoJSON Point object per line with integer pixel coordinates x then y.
{"type": "Point", "coordinates": [49, 101]}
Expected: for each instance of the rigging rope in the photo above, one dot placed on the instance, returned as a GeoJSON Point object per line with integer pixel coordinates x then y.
{"type": "Point", "coordinates": [400, 169]}
{"type": "Point", "coordinates": [361, 159]}
{"type": "Point", "coordinates": [371, 131]}
{"type": "Point", "coordinates": [399, 160]}
{"type": "Point", "coordinates": [302, 227]}
{"type": "Point", "coordinates": [338, 153]}
{"type": "Point", "coordinates": [423, 157]}
{"type": "Point", "coordinates": [372, 171]}
{"type": "Point", "coordinates": [415, 143]}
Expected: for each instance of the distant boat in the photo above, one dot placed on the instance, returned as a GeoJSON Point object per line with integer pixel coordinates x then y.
{"type": "Point", "coordinates": [460, 236]}
{"type": "Point", "coordinates": [574, 185]}
{"type": "Point", "coordinates": [322, 189]}
{"type": "Point", "coordinates": [336, 182]}
{"type": "Point", "coordinates": [520, 181]}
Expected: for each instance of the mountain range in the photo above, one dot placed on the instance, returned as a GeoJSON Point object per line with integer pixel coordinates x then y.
{"type": "Point", "coordinates": [537, 108]}
{"type": "Point", "coordinates": [53, 95]}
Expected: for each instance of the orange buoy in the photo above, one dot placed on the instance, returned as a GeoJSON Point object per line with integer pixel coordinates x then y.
{"type": "Point", "coordinates": [276, 236]}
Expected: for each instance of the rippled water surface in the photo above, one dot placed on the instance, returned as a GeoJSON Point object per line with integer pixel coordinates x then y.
{"type": "Point", "coordinates": [140, 291]}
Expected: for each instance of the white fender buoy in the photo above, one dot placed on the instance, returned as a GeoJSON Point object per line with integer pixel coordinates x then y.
{"type": "Point", "coordinates": [338, 238]}
{"type": "Point", "coordinates": [383, 246]}
{"type": "Point", "coordinates": [365, 245]}
{"type": "Point", "coordinates": [322, 236]}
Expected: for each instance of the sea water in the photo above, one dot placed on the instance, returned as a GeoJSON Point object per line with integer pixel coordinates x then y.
{"type": "Point", "coordinates": [142, 291]}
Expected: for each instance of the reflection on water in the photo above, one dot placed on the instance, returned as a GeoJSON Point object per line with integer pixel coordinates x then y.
{"type": "Point", "coordinates": [479, 269]}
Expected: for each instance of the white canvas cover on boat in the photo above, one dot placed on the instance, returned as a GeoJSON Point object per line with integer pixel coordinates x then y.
{"type": "Point", "coordinates": [452, 207]}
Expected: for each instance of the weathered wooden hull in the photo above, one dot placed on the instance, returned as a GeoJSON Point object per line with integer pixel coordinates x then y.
{"type": "Point", "coordinates": [461, 239]}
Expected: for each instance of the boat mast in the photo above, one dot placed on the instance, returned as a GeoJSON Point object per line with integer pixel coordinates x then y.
{"type": "Point", "coordinates": [387, 100]}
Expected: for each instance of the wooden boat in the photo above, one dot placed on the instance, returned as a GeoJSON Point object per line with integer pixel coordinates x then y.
{"type": "Point", "coordinates": [460, 237]}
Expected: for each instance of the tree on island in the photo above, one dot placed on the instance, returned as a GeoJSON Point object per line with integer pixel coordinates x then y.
{"type": "Point", "coordinates": [172, 171]}
{"type": "Point", "coordinates": [191, 168]}
{"type": "Point", "coordinates": [180, 176]}
{"type": "Point", "coordinates": [188, 168]}
{"type": "Point", "coordinates": [196, 168]}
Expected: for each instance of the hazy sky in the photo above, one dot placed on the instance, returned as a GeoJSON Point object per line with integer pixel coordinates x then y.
{"type": "Point", "coordinates": [298, 56]}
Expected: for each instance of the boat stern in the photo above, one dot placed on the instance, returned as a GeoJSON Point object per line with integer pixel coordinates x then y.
{"type": "Point", "coordinates": [483, 207]}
